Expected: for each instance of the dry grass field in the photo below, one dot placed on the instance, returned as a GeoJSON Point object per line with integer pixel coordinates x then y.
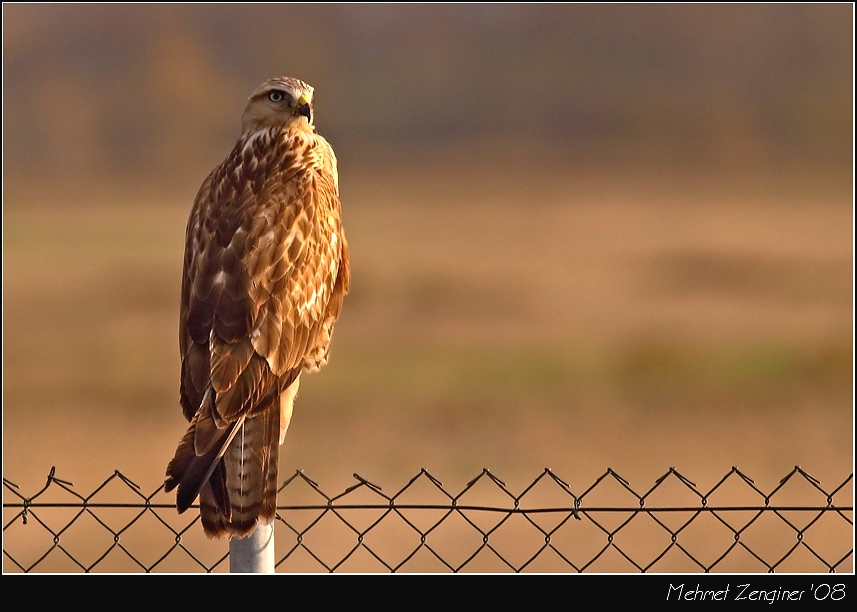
{"type": "Point", "coordinates": [504, 314]}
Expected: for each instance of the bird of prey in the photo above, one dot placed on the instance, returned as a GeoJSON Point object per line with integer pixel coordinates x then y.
{"type": "Point", "coordinates": [265, 274]}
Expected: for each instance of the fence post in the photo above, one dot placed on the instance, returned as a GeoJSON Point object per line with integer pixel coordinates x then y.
{"type": "Point", "coordinates": [255, 553]}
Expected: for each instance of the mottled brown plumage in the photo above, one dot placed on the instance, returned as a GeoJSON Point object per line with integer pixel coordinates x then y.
{"type": "Point", "coordinates": [265, 275]}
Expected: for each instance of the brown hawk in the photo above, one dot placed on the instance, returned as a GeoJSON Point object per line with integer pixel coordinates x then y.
{"type": "Point", "coordinates": [265, 275]}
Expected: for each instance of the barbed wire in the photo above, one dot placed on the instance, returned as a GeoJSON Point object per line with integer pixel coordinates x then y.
{"type": "Point", "coordinates": [608, 527]}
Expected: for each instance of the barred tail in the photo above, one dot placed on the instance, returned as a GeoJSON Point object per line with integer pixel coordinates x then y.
{"type": "Point", "coordinates": [233, 470]}
{"type": "Point", "coordinates": [242, 489]}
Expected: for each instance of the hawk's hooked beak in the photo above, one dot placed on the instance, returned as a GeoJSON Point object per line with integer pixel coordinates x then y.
{"type": "Point", "coordinates": [303, 108]}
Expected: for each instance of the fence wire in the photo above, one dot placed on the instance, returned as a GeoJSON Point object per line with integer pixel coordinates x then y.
{"type": "Point", "coordinates": [423, 527]}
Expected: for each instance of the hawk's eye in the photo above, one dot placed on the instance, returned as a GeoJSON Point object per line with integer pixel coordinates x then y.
{"type": "Point", "coordinates": [276, 96]}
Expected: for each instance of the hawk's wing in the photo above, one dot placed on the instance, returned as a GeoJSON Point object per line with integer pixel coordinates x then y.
{"type": "Point", "coordinates": [265, 274]}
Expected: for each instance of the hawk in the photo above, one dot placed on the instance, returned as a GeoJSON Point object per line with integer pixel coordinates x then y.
{"type": "Point", "coordinates": [265, 275]}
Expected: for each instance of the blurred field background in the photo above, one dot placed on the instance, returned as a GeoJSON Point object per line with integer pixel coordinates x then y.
{"type": "Point", "coordinates": [582, 236]}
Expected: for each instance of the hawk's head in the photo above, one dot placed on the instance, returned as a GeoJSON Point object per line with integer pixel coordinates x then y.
{"type": "Point", "coordinates": [279, 102]}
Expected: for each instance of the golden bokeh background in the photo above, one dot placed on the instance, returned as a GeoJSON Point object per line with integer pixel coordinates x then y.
{"type": "Point", "coordinates": [582, 235]}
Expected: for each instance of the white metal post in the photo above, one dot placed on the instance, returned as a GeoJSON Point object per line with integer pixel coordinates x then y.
{"type": "Point", "coordinates": [253, 554]}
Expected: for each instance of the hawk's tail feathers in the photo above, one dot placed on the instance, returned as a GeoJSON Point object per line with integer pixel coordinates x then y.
{"type": "Point", "coordinates": [246, 478]}
{"type": "Point", "coordinates": [232, 470]}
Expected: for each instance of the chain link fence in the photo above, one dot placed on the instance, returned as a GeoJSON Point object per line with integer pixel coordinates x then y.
{"type": "Point", "coordinates": [673, 526]}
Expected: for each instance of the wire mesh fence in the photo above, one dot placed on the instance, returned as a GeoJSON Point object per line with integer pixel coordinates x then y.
{"type": "Point", "coordinates": [672, 526]}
